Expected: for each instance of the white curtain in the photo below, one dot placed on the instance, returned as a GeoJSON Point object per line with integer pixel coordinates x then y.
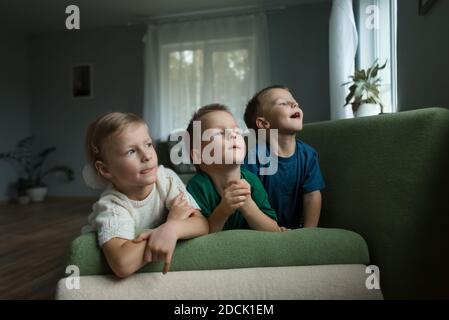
{"type": "Point", "coordinates": [194, 63]}
{"type": "Point", "coordinates": [343, 40]}
{"type": "Point", "coordinates": [151, 111]}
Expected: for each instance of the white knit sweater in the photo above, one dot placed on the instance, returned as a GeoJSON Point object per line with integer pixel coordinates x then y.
{"type": "Point", "coordinates": [114, 215]}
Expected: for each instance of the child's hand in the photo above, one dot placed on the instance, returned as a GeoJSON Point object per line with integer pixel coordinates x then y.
{"type": "Point", "coordinates": [143, 236]}
{"type": "Point", "coordinates": [181, 209]}
{"type": "Point", "coordinates": [249, 199]}
{"type": "Point", "coordinates": [235, 195]}
{"type": "Point", "coordinates": [161, 243]}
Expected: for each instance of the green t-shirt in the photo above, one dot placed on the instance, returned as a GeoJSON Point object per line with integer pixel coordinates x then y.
{"type": "Point", "coordinates": [207, 197]}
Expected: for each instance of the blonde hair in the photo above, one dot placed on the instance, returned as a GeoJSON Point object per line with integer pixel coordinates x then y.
{"type": "Point", "coordinates": [102, 129]}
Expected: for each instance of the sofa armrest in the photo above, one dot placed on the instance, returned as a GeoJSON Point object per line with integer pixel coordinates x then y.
{"type": "Point", "coordinates": [386, 179]}
{"type": "Point", "coordinates": [239, 249]}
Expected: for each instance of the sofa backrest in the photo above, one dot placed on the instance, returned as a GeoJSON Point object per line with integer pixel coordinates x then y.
{"type": "Point", "coordinates": [387, 178]}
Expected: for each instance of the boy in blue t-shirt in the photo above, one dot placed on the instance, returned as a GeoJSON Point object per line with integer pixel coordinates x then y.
{"type": "Point", "coordinates": [294, 189]}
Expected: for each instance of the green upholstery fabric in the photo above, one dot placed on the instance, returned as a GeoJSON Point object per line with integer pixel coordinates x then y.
{"type": "Point", "coordinates": [240, 249]}
{"type": "Point", "coordinates": [387, 178]}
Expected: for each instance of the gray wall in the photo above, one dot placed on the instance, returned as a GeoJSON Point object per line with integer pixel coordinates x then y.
{"type": "Point", "coordinates": [299, 59]}
{"type": "Point", "coordinates": [35, 96]}
{"type": "Point", "coordinates": [60, 120]}
{"type": "Point", "coordinates": [299, 49]}
{"type": "Point", "coordinates": [117, 55]}
{"type": "Point", "coordinates": [14, 101]}
{"type": "Point", "coordinates": [423, 51]}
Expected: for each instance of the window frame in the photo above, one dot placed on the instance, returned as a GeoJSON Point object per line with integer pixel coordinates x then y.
{"type": "Point", "coordinates": [373, 43]}
{"type": "Point", "coordinates": [209, 47]}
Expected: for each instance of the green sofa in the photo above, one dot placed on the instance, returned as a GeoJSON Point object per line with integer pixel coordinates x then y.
{"type": "Point", "coordinates": [387, 178]}
{"type": "Point", "coordinates": [384, 205]}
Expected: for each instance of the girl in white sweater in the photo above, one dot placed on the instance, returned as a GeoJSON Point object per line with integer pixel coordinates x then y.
{"type": "Point", "coordinates": [141, 198]}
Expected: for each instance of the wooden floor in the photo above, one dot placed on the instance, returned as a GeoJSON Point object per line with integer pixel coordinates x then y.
{"type": "Point", "coordinates": [34, 239]}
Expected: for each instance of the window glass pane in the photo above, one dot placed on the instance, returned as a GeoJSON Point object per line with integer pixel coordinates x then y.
{"type": "Point", "coordinates": [377, 40]}
{"type": "Point", "coordinates": [184, 83]}
{"type": "Point", "coordinates": [199, 73]}
{"type": "Point", "coordinates": [231, 82]}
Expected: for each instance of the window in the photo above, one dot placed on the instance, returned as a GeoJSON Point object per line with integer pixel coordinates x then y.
{"type": "Point", "coordinates": [377, 29]}
{"type": "Point", "coordinates": [200, 73]}
{"type": "Point", "coordinates": [189, 64]}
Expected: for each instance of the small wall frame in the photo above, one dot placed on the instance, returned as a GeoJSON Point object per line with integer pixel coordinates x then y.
{"type": "Point", "coordinates": [81, 81]}
{"type": "Point", "coordinates": [424, 6]}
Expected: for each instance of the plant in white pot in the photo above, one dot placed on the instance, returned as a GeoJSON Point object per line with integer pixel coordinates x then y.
{"type": "Point", "coordinates": [364, 92]}
{"type": "Point", "coordinates": [31, 171]}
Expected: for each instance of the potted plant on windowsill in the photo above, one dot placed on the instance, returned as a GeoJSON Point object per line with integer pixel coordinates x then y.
{"type": "Point", "coordinates": [31, 170]}
{"type": "Point", "coordinates": [364, 92]}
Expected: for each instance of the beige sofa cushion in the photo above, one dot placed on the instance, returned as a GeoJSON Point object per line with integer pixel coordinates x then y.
{"type": "Point", "coordinates": [298, 282]}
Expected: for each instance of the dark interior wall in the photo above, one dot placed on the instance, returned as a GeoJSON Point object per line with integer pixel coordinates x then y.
{"type": "Point", "coordinates": [299, 49]}
{"type": "Point", "coordinates": [58, 119]}
{"type": "Point", "coordinates": [14, 101]}
{"type": "Point", "coordinates": [423, 51]}
{"type": "Point", "coordinates": [44, 105]}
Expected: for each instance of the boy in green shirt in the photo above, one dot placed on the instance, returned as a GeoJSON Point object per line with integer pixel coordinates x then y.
{"type": "Point", "coordinates": [229, 196]}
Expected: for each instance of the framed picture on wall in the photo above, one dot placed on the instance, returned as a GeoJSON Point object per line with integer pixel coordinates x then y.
{"type": "Point", "coordinates": [424, 6]}
{"type": "Point", "coordinates": [81, 84]}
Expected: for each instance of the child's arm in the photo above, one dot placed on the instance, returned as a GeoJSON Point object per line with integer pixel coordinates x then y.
{"type": "Point", "coordinates": [218, 218]}
{"type": "Point", "coordinates": [181, 209]}
{"type": "Point", "coordinates": [194, 226]}
{"type": "Point", "coordinates": [257, 220]}
{"type": "Point", "coordinates": [311, 209]}
{"type": "Point", "coordinates": [233, 198]}
{"type": "Point", "coordinates": [127, 256]}
{"type": "Point", "coordinates": [124, 256]}
{"type": "Point", "coordinates": [161, 242]}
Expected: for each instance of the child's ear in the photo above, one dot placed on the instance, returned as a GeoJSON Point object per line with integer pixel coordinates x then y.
{"type": "Point", "coordinates": [103, 170]}
{"type": "Point", "coordinates": [262, 123]}
{"type": "Point", "coordinates": [196, 156]}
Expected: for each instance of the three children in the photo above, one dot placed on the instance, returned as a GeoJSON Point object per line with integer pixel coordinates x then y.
{"type": "Point", "coordinates": [146, 208]}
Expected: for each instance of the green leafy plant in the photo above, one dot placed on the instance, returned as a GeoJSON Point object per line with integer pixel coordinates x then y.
{"type": "Point", "coordinates": [31, 165]}
{"type": "Point", "coordinates": [365, 87]}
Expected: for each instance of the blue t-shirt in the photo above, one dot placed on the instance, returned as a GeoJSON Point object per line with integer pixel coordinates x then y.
{"type": "Point", "coordinates": [295, 176]}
